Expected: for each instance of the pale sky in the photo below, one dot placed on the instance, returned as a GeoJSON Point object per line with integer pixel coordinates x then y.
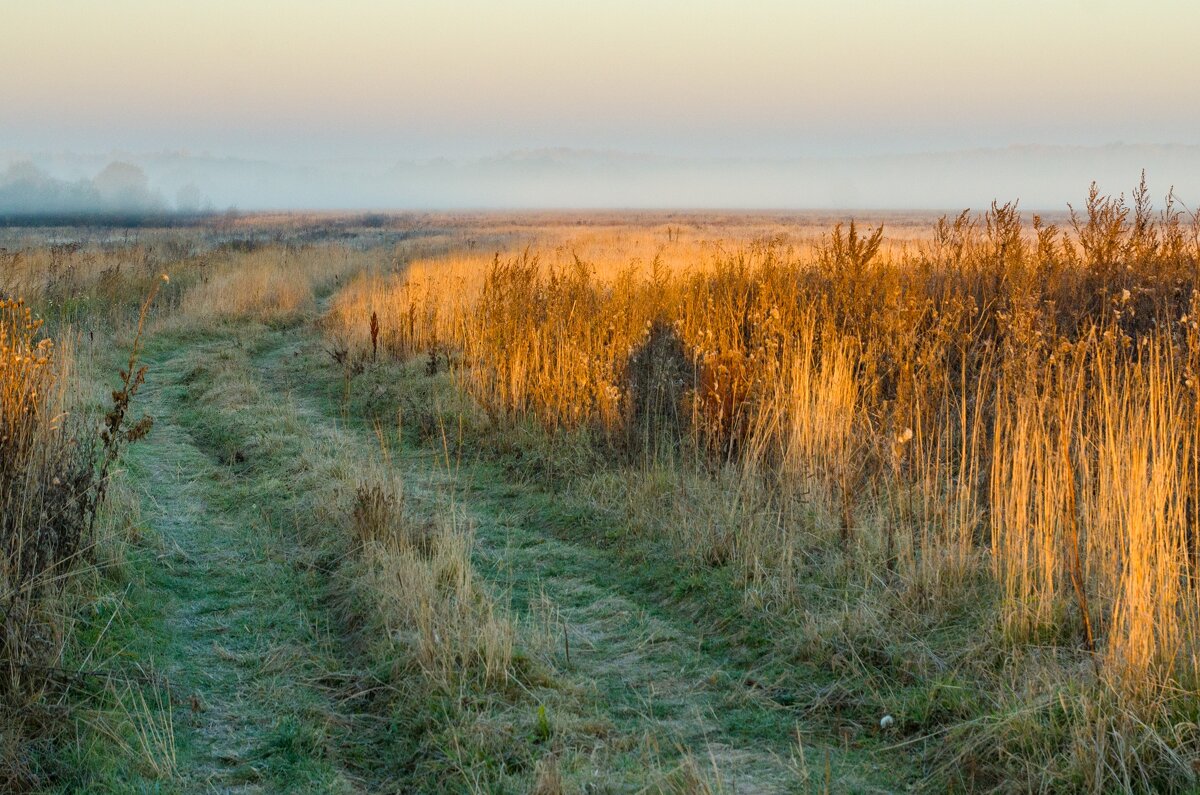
{"type": "Point", "coordinates": [872, 103]}
{"type": "Point", "coordinates": [421, 79]}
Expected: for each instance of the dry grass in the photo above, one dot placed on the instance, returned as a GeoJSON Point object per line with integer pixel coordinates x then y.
{"type": "Point", "coordinates": [990, 426]}
{"type": "Point", "coordinates": [46, 479]}
{"type": "Point", "coordinates": [433, 610]}
{"type": "Point", "coordinates": [261, 290]}
{"type": "Point", "coordinates": [272, 284]}
{"type": "Point", "coordinates": [56, 466]}
{"type": "Point", "coordinates": [423, 300]}
{"type": "Point", "coordinates": [1003, 402]}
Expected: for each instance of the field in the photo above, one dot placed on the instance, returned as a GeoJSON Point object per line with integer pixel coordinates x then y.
{"type": "Point", "coordinates": [603, 502]}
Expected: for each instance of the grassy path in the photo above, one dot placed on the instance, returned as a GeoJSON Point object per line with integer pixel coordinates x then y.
{"type": "Point", "coordinates": [238, 627]}
{"type": "Point", "coordinates": [649, 665]}
{"type": "Point", "coordinates": [236, 609]}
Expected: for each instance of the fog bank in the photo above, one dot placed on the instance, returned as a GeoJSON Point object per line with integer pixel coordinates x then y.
{"type": "Point", "coordinates": [1040, 177]}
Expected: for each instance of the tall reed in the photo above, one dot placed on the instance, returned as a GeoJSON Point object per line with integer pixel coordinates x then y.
{"type": "Point", "coordinates": [1007, 403]}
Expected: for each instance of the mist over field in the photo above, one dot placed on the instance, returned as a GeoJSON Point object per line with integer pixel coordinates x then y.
{"type": "Point", "coordinates": [1041, 177]}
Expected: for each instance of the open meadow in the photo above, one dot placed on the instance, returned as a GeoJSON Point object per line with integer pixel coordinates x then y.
{"type": "Point", "coordinates": [603, 502]}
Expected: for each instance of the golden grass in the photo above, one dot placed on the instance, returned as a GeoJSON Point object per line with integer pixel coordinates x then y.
{"type": "Point", "coordinates": [992, 421]}
{"type": "Point", "coordinates": [44, 479]}
{"type": "Point", "coordinates": [27, 379]}
{"type": "Point", "coordinates": [56, 533]}
{"type": "Point", "coordinates": [261, 290]}
{"type": "Point", "coordinates": [421, 303]}
{"type": "Point", "coordinates": [271, 284]}
{"type": "Point", "coordinates": [1001, 400]}
{"type": "Point", "coordinates": [426, 593]}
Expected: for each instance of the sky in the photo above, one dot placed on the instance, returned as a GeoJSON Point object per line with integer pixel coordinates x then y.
{"type": "Point", "coordinates": [462, 79]}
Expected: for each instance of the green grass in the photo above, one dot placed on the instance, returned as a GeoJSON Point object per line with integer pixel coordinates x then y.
{"type": "Point", "coordinates": [668, 650]}
{"type": "Point", "coordinates": [242, 594]}
{"type": "Point", "coordinates": [225, 607]}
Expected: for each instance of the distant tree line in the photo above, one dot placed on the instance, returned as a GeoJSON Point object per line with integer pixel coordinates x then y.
{"type": "Point", "coordinates": [120, 189]}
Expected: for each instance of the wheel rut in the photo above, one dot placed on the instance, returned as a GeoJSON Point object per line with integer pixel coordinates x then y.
{"type": "Point", "coordinates": [241, 639]}
{"type": "Point", "coordinates": [643, 666]}
{"type": "Point", "coordinates": [245, 636]}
